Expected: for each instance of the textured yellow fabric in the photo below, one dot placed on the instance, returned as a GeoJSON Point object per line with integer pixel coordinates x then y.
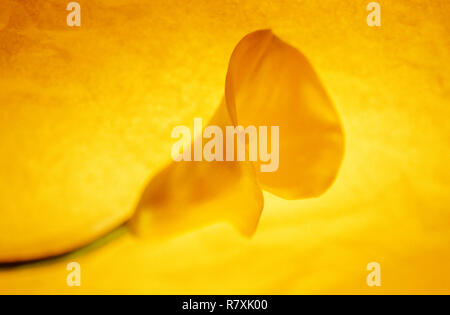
{"type": "Point", "coordinates": [390, 202]}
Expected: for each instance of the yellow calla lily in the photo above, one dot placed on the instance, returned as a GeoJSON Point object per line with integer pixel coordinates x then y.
{"type": "Point", "coordinates": [268, 83]}
{"type": "Point", "coordinates": [85, 119]}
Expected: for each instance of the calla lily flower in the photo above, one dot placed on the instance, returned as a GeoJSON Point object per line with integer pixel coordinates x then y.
{"type": "Point", "coordinates": [268, 83]}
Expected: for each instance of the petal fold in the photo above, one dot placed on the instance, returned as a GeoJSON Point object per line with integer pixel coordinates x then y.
{"type": "Point", "coordinates": [270, 83]}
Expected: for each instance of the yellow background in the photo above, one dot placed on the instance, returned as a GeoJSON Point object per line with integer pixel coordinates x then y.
{"type": "Point", "coordinates": [389, 204]}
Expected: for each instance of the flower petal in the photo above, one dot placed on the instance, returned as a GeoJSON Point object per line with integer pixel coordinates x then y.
{"type": "Point", "coordinates": [190, 194]}
{"type": "Point", "coordinates": [270, 83]}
